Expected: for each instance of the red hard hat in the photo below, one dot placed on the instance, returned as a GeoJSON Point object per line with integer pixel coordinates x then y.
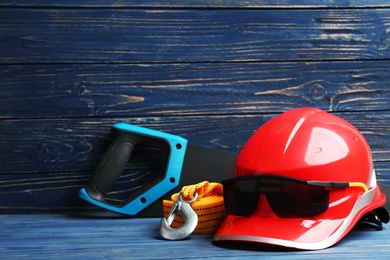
{"type": "Point", "coordinates": [303, 180]}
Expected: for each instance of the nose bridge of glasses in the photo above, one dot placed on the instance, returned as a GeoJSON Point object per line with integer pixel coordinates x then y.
{"type": "Point", "coordinates": [263, 207]}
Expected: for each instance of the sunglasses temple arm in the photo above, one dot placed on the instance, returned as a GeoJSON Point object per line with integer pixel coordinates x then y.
{"type": "Point", "coordinates": [329, 184]}
{"type": "Point", "coordinates": [339, 184]}
{"type": "Point", "coordinates": [359, 184]}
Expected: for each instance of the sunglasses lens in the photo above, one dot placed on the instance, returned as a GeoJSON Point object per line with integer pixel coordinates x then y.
{"type": "Point", "coordinates": [287, 198]}
{"type": "Point", "coordinates": [240, 199]}
{"type": "Point", "coordinates": [297, 200]}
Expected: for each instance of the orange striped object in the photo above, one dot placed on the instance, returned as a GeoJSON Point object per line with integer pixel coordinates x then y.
{"type": "Point", "coordinates": [208, 206]}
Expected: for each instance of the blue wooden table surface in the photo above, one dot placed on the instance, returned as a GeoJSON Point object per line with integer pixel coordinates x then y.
{"type": "Point", "coordinates": [114, 237]}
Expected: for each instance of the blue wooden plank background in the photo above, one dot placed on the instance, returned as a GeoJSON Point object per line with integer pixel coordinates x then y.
{"type": "Point", "coordinates": [210, 71]}
{"type": "Point", "coordinates": [106, 35]}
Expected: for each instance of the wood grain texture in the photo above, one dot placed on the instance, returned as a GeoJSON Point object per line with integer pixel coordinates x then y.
{"type": "Point", "coordinates": [210, 71]}
{"type": "Point", "coordinates": [47, 145]}
{"type": "Point", "coordinates": [112, 237]}
{"type": "Point", "coordinates": [178, 4]}
{"type": "Point", "coordinates": [191, 89]}
{"type": "Point", "coordinates": [45, 162]}
{"type": "Point", "coordinates": [87, 35]}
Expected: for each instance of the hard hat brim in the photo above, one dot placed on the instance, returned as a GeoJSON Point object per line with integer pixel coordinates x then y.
{"type": "Point", "coordinates": [314, 233]}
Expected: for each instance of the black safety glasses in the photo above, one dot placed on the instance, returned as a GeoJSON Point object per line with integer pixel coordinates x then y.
{"type": "Point", "coordinates": [288, 198]}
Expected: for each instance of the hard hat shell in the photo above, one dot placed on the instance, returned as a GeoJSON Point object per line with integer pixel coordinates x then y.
{"type": "Point", "coordinates": [308, 144]}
